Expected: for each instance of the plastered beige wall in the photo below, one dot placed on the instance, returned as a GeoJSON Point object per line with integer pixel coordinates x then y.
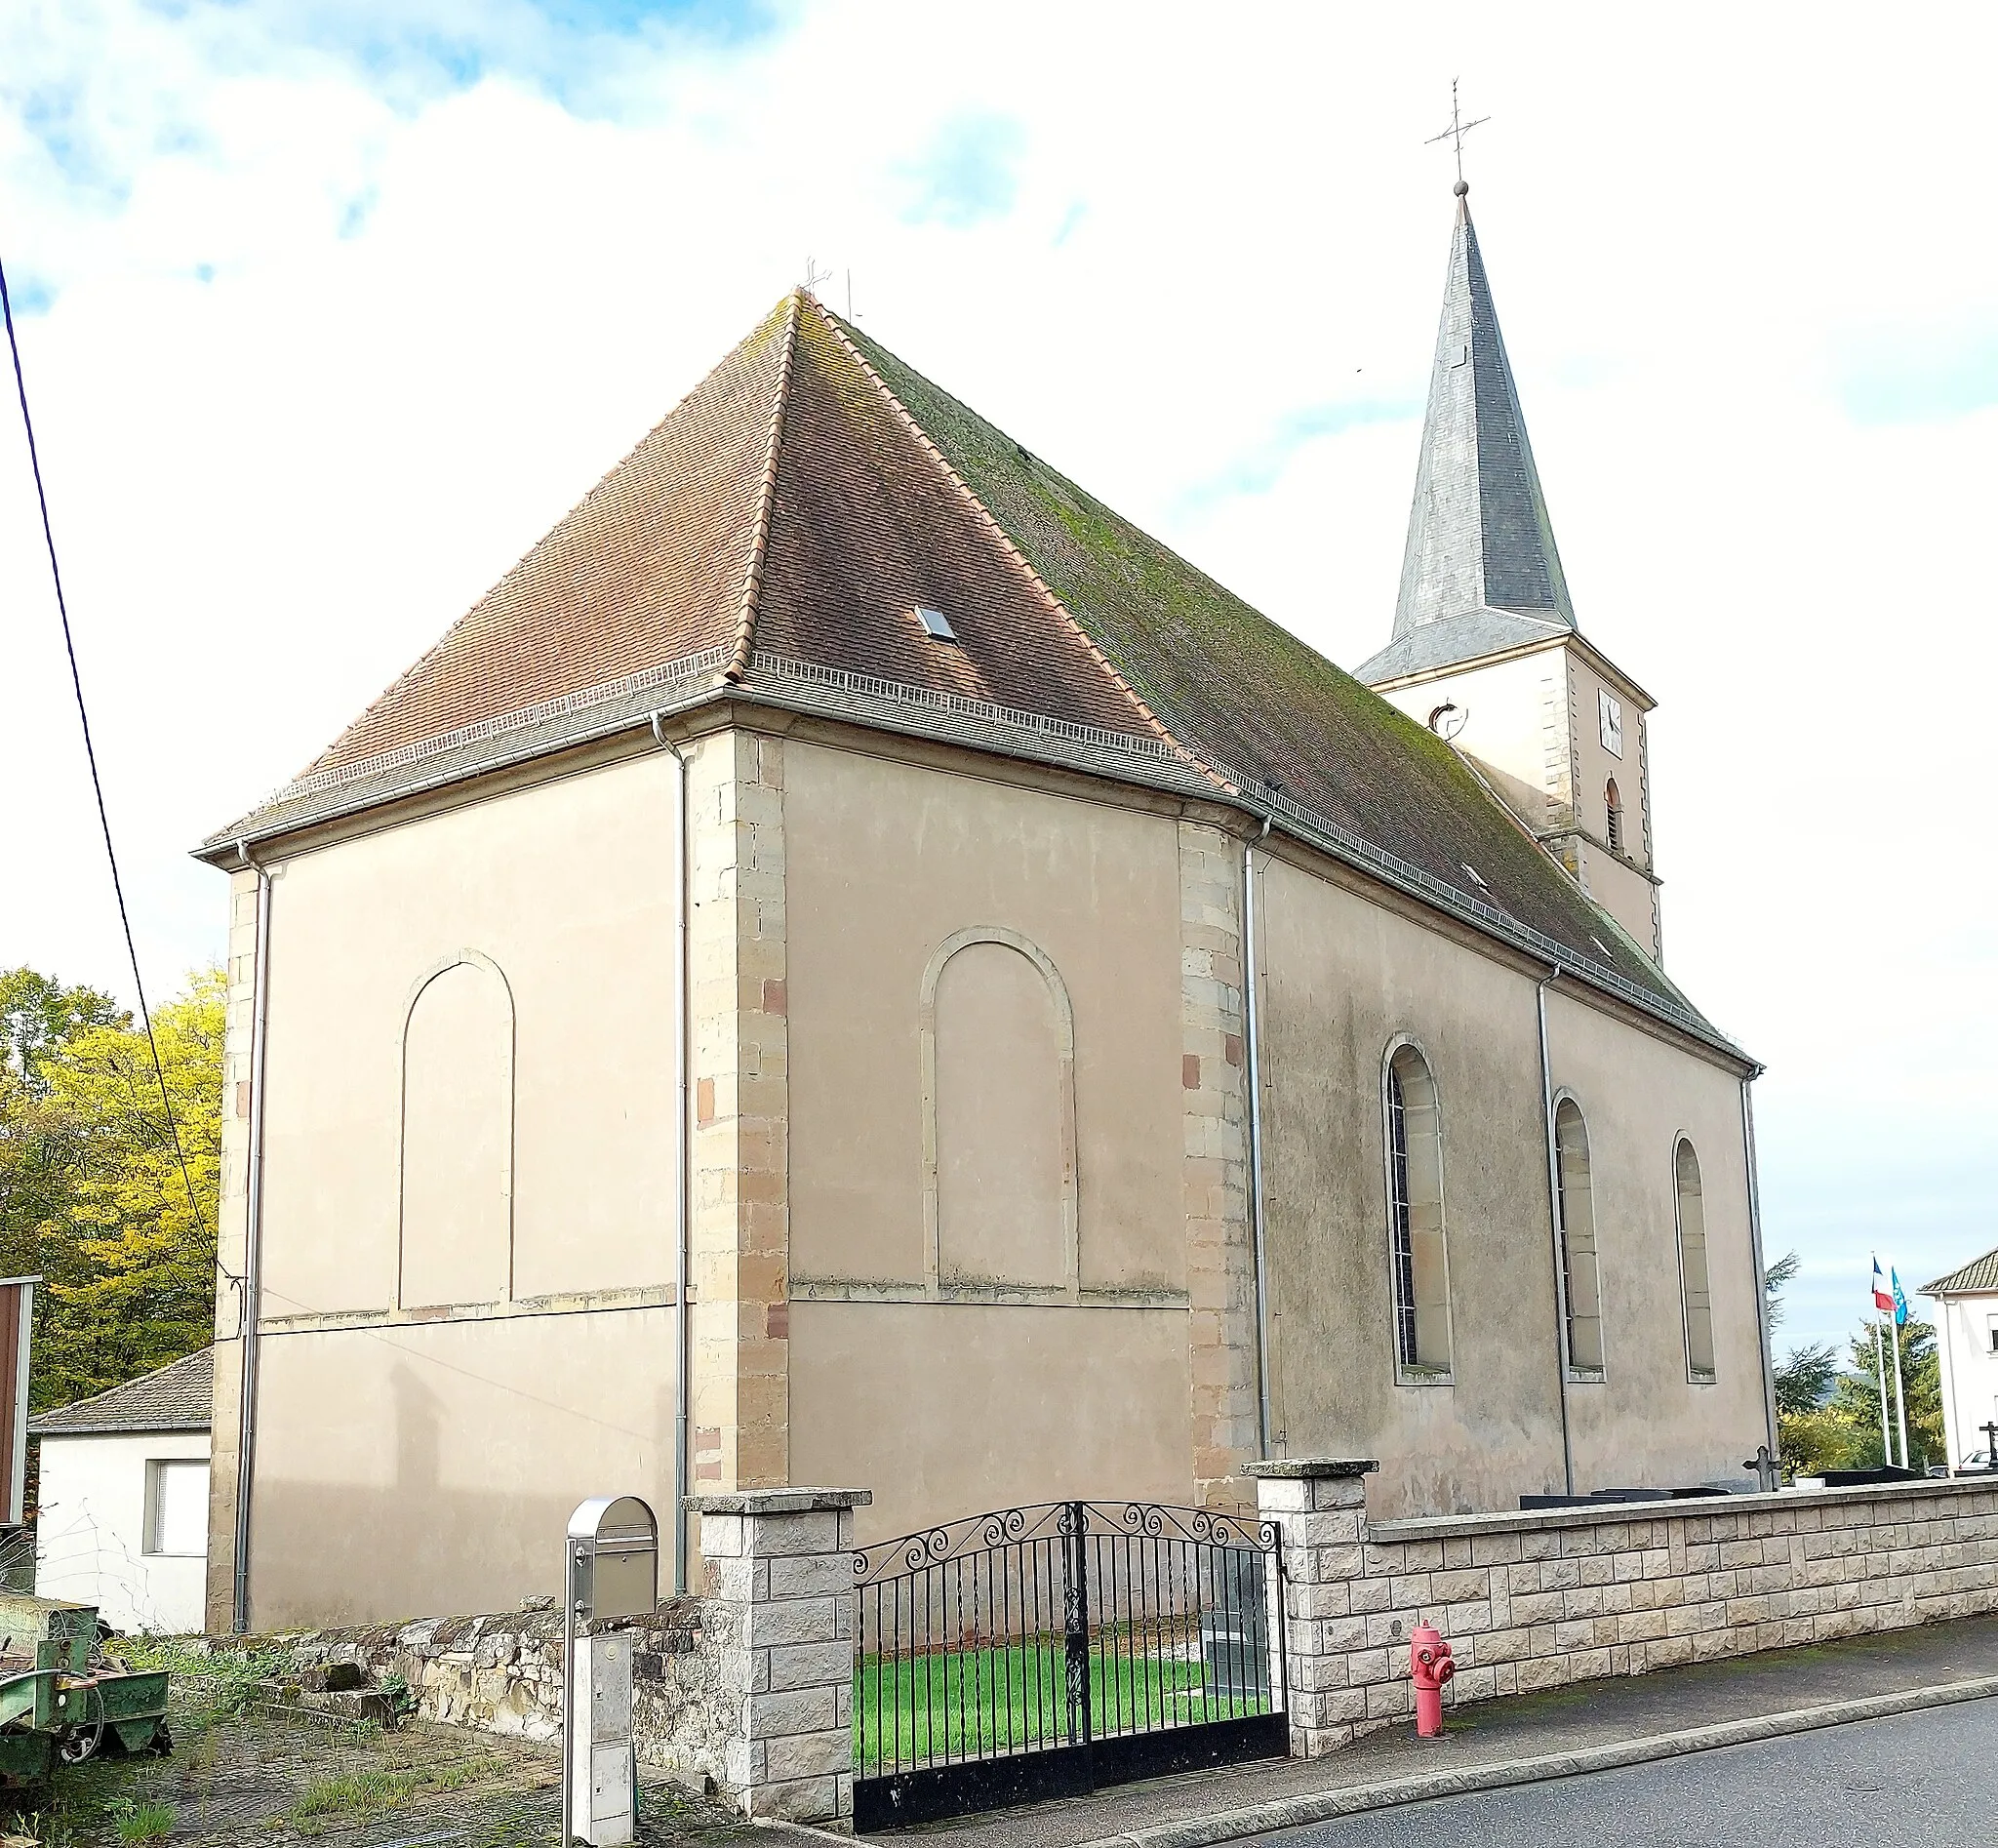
{"type": "Point", "coordinates": [1645, 1424]}
{"type": "Point", "coordinates": [887, 862]}
{"type": "Point", "coordinates": [568, 891]}
{"type": "Point", "coordinates": [408, 1464]}
{"type": "Point", "coordinates": [1533, 727]}
{"type": "Point", "coordinates": [1625, 893]}
{"type": "Point", "coordinates": [993, 1377]}
{"type": "Point", "coordinates": [1595, 764]}
{"type": "Point", "coordinates": [1620, 886]}
{"type": "Point", "coordinates": [956, 1408]}
{"type": "Point", "coordinates": [432, 1467]}
{"type": "Point", "coordinates": [832, 891]}
{"type": "Point", "coordinates": [1342, 979]}
{"type": "Point", "coordinates": [1512, 717]}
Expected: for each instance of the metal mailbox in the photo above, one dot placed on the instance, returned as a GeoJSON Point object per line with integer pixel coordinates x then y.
{"type": "Point", "coordinates": [612, 1571]}
{"type": "Point", "coordinates": [613, 1558]}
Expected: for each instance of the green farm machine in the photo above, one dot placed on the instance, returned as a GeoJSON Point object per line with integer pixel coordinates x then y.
{"type": "Point", "coordinates": [62, 1699]}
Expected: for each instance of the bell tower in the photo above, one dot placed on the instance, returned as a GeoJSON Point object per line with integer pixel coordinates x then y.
{"type": "Point", "coordinates": [1486, 650]}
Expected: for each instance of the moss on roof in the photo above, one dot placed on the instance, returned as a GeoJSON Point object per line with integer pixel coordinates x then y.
{"type": "Point", "coordinates": [1246, 693]}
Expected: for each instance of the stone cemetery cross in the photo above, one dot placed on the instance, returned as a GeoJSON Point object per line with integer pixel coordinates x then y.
{"type": "Point", "coordinates": [1991, 1431]}
{"type": "Point", "coordinates": [1768, 1471]}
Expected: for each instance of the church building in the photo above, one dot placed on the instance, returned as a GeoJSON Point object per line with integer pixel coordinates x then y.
{"type": "Point", "coordinates": [855, 965]}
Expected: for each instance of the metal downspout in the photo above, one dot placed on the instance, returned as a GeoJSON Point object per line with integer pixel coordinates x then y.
{"type": "Point", "coordinates": [682, 1215]}
{"type": "Point", "coordinates": [1761, 1269]}
{"type": "Point", "coordinates": [1250, 1057]}
{"type": "Point", "coordinates": [250, 1296]}
{"type": "Point", "coordinates": [1554, 1220]}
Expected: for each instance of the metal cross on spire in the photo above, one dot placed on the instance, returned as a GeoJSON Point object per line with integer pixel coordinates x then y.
{"type": "Point", "coordinates": [1458, 127]}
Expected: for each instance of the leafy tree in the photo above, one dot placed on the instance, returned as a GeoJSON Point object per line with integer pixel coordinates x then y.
{"type": "Point", "coordinates": [1804, 1379]}
{"type": "Point", "coordinates": [94, 1195]}
{"type": "Point", "coordinates": [1774, 1278]}
{"type": "Point", "coordinates": [39, 1016]}
{"type": "Point", "coordinates": [1843, 1431]}
{"type": "Point", "coordinates": [1829, 1418]}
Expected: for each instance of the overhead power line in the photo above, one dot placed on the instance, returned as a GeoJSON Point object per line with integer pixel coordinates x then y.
{"type": "Point", "coordinates": [89, 750]}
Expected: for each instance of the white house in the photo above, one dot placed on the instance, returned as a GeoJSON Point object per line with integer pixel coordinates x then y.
{"type": "Point", "coordinates": [1967, 1339]}
{"type": "Point", "coordinates": [122, 1508]}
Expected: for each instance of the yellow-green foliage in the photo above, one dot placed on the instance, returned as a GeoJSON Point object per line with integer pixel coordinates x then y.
{"type": "Point", "coordinates": [94, 1194]}
{"type": "Point", "coordinates": [1844, 1432]}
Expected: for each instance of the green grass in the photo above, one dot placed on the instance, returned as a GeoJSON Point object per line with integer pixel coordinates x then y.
{"type": "Point", "coordinates": [225, 1682]}
{"type": "Point", "coordinates": [924, 1708]}
{"type": "Point", "coordinates": [359, 1794]}
{"type": "Point", "coordinates": [355, 1793]}
{"type": "Point", "coordinates": [145, 1822]}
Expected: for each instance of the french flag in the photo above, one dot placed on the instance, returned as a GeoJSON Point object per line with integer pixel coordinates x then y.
{"type": "Point", "coordinates": [1882, 1300]}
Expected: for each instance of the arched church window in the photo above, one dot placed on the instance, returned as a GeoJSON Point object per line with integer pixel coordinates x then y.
{"type": "Point", "coordinates": [1414, 1194]}
{"type": "Point", "coordinates": [1614, 803]}
{"type": "Point", "coordinates": [1581, 1277]}
{"type": "Point", "coordinates": [1693, 1272]}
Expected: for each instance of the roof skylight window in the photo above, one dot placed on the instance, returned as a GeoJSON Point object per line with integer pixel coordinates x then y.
{"type": "Point", "coordinates": [935, 624]}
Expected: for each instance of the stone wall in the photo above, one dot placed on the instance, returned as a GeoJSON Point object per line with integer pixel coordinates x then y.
{"type": "Point", "coordinates": [503, 1674]}
{"type": "Point", "coordinates": [1532, 1600]}
{"type": "Point", "coordinates": [748, 1687]}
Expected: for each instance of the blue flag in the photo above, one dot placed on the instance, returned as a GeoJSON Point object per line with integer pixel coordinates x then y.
{"type": "Point", "coordinates": [1900, 1302]}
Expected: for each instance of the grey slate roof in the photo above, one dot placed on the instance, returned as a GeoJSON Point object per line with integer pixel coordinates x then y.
{"type": "Point", "coordinates": [1481, 572]}
{"type": "Point", "coordinates": [176, 1398]}
{"type": "Point", "coordinates": [1976, 1279]}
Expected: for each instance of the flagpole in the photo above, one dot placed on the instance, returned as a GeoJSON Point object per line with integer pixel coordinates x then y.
{"type": "Point", "coordinates": [1901, 1389]}
{"type": "Point", "coordinates": [1880, 1373]}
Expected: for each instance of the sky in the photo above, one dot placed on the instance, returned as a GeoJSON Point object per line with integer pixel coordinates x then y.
{"type": "Point", "coordinates": [329, 310]}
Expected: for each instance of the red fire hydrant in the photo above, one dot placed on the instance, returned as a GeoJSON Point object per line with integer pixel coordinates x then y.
{"type": "Point", "coordinates": [1430, 1663]}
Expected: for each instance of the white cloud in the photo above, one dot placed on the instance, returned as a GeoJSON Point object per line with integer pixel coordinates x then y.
{"type": "Point", "coordinates": [335, 330]}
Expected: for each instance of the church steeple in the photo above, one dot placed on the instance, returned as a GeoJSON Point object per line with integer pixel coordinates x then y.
{"type": "Point", "coordinates": [1481, 572]}
{"type": "Point", "coordinates": [1486, 649]}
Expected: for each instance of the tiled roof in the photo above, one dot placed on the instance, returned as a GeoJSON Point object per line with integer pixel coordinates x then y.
{"type": "Point", "coordinates": [769, 539]}
{"type": "Point", "coordinates": [176, 1398]}
{"type": "Point", "coordinates": [1245, 694]}
{"type": "Point", "coordinates": [646, 566]}
{"type": "Point", "coordinates": [781, 503]}
{"type": "Point", "coordinates": [1976, 1279]}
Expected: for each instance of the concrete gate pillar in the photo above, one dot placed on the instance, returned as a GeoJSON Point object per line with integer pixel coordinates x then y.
{"type": "Point", "coordinates": [779, 1612]}
{"type": "Point", "coordinates": [1319, 1505]}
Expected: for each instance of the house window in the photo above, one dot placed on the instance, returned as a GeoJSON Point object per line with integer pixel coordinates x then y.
{"type": "Point", "coordinates": [176, 1508]}
{"type": "Point", "coordinates": [1581, 1277]}
{"type": "Point", "coordinates": [1415, 1196]}
{"type": "Point", "coordinates": [1692, 1273]}
{"type": "Point", "coordinates": [1614, 804]}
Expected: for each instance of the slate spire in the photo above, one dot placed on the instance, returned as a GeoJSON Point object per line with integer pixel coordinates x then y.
{"type": "Point", "coordinates": [1481, 572]}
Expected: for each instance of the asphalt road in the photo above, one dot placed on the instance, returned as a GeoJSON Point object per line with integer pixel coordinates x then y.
{"type": "Point", "coordinates": [1916, 1781]}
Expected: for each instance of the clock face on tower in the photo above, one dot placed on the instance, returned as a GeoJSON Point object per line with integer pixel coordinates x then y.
{"type": "Point", "coordinates": [1612, 711]}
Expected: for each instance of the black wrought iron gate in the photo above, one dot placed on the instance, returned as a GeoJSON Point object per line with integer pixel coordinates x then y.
{"type": "Point", "coordinates": [1048, 1650]}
